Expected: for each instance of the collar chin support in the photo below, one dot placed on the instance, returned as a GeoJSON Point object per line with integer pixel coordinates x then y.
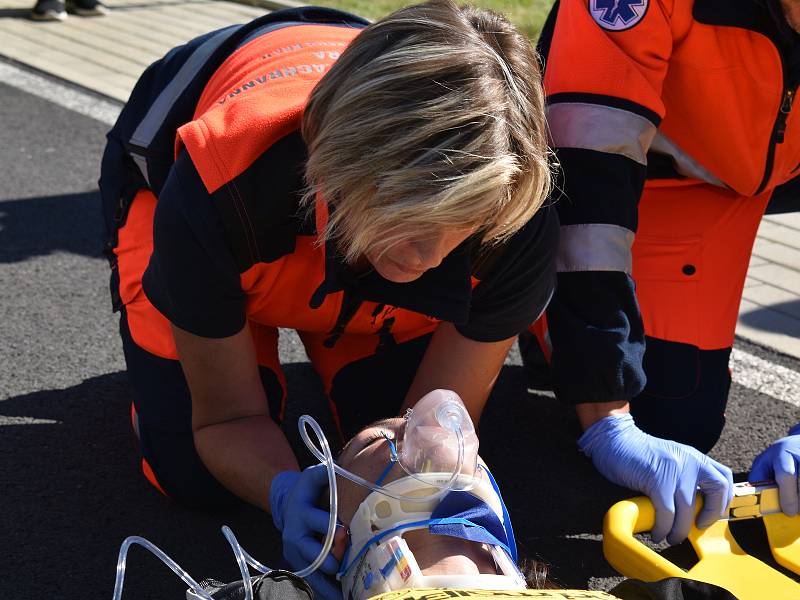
{"type": "Point", "coordinates": [721, 560]}
{"type": "Point", "coordinates": [379, 559]}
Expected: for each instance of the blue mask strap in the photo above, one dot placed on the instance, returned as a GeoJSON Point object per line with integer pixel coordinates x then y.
{"type": "Point", "coordinates": [346, 565]}
{"type": "Point", "coordinates": [512, 542]}
{"type": "Point", "coordinates": [392, 460]}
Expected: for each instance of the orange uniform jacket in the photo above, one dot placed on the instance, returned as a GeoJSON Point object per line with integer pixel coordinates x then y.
{"type": "Point", "coordinates": [642, 94]}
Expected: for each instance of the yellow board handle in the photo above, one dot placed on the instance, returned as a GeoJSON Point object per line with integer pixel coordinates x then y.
{"type": "Point", "coordinates": [721, 560]}
{"type": "Point", "coordinates": [783, 534]}
{"type": "Point", "coordinates": [628, 555]}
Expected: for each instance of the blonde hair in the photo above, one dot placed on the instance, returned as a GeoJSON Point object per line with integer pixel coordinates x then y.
{"type": "Point", "coordinates": [432, 118]}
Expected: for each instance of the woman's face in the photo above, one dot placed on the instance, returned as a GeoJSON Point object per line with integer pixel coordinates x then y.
{"type": "Point", "coordinates": [408, 260]}
{"type": "Point", "coordinates": [791, 8]}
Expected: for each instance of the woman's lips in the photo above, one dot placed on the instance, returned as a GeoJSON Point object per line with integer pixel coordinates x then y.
{"type": "Point", "coordinates": [404, 269]}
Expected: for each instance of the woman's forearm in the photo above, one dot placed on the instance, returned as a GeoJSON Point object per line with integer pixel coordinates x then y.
{"type": "Point", "coordinates": [245, 454]}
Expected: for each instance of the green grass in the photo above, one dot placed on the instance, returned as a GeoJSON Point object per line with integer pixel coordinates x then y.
{"type": "Point", "coordinates": [528, 15]}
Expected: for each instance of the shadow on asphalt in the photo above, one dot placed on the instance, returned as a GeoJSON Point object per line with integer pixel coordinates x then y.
{"type": "Point", "coordinates": [763, 318]}
{"type": "Point", "coordinates": [40, 226]}
{"type": "Point", "coordinates": [73, 492]}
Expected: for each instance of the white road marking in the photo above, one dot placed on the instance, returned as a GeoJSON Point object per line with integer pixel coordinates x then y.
{"type": "Point", "coordinates": [68, 97]}
{"type": "Point", "coordinates": [765, 377]}
{"type": "Point", "coordinates": [26, 421]}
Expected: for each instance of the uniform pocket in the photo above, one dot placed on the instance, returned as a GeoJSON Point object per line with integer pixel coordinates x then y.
{"type": "Point", "coordinates": [667, 272]}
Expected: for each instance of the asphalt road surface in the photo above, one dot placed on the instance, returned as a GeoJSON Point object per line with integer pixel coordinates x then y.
{"type": "Point", "coordinates": [70, 486]}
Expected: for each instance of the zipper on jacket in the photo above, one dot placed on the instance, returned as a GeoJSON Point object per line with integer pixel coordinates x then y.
{"type": "Point", "coordinates": [778, 134]}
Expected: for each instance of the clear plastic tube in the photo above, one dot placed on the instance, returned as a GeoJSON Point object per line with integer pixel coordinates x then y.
{"type": "Point", "coordinates": [228, 533]}
{"type": "Point", "coordinates": [176, 568]}
{"type": "Point", "coordinates": [325, 456]}
{"type": "Point", "coordinates": [238, 552]}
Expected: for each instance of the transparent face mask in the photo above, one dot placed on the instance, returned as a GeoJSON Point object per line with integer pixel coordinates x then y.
{"type": "Point", "coordinates": [438, 437]}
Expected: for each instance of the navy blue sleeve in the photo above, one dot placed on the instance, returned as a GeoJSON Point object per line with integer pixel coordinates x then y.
{"type": "Point", "coordinates": [192, 278]}
{"type": "Point", "coordinates": [597, 336]}
{"type": "Point", "coordinates": [517, 282]}
{"type": "Point", "coordinates": [594, 321]}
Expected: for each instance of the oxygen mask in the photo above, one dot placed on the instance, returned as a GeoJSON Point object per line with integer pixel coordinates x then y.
{"type": "Point", "coordinates": [437, 441]}
{"type": "Point", "coordinates": [438, 437]}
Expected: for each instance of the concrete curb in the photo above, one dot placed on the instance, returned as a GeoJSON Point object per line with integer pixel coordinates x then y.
{"type": "Point", "coordinates": [274, 4]}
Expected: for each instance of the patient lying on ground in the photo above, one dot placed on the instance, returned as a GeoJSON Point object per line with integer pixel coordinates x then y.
{"type": "Point", "coordinates": [460, 539]}
{"type": "Point", "coordinates": [368, 454]}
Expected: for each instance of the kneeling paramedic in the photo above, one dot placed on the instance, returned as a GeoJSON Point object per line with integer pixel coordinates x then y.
{"type": "Point", "coordinates": [376, 188]}
{"type": "Point", "coordinates": [674, 118]}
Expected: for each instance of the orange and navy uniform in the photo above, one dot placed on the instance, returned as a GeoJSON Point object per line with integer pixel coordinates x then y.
{"type": "Point", "coordinates": [673, 124]}
{"type": "Point", "coordinates": [224, 244]}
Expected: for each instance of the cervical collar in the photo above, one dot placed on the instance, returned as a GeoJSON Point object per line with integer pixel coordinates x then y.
{"type": "Point", "coordinates": [379, 559]}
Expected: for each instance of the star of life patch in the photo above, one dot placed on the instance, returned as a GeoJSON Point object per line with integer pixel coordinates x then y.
{"type": "Point", "coordinates": [618, 15]}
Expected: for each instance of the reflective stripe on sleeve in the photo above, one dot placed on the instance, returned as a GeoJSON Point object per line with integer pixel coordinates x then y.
{"type": "Point", "coordinates": [158, 111]}
{"type": "Point", "coordinates": [600, 128]}
{"type": "Point", "coordinates": [594, 247]}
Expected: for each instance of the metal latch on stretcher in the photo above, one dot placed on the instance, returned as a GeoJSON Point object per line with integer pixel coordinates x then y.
{"type": "Point", "coordinates": [753, 500]}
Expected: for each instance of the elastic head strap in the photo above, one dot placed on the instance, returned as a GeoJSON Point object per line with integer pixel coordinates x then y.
{"type": "Point", "coordinates": [392, 460]}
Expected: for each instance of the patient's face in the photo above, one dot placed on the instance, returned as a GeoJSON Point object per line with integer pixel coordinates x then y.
{"type": "Point", "coordinates": [367, 455]}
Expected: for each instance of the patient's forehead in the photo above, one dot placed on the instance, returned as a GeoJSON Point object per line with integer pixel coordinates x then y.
{"type": "Point", "coordinates": [367, 454]}
{"type": "Point", "coordinates": [374, 432]}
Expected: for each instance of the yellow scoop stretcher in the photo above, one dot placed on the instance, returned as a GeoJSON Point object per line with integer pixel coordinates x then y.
{"type": "Point", "coordinates": [721, 560]}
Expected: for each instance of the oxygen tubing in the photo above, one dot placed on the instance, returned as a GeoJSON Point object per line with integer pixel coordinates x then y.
{"type": "Point", "coordinates": [243, 558]}
{"type": "Point", "coordinates": [322, 454]}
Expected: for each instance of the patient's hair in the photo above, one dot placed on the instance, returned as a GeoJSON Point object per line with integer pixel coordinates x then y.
{"type": "Point", "coordinates": [537, 574]}
{"type": "Point", "coordinates": [433, 117]}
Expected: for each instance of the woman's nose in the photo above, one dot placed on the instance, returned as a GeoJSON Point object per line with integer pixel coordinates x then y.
{"type": "Point", "coordinates": [430, 253]}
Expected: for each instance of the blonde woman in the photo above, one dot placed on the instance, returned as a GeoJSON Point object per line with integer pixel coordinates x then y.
{"type": "Point", "coordinates": [378, 189]}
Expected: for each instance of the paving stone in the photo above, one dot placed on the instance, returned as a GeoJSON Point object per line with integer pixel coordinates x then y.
{"type": "Point", "coordinates": [108, 54]}
{"type": "Point", "coordinates": [779, 232]}
{"type": "Point", "coordinates": [750, 282]}
{"type": "Point", "coordinates": [778, 252]}
{"type": "Point", "coordinates": [778, 275]}
{"type": "Point", "coordinates": [780, 300]}
{"type": "Point", "coordinates": [755, 261]}
{"type": "Point", "coordinates": [788, 220]}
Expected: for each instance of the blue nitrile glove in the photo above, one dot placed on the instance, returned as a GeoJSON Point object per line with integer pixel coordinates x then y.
{"type": "Point", "coordinates": [668, 472]}
{"type": "Point", "coordinates": [292, 497]}
{"type": "Point", "coordinates": [779, 462]}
